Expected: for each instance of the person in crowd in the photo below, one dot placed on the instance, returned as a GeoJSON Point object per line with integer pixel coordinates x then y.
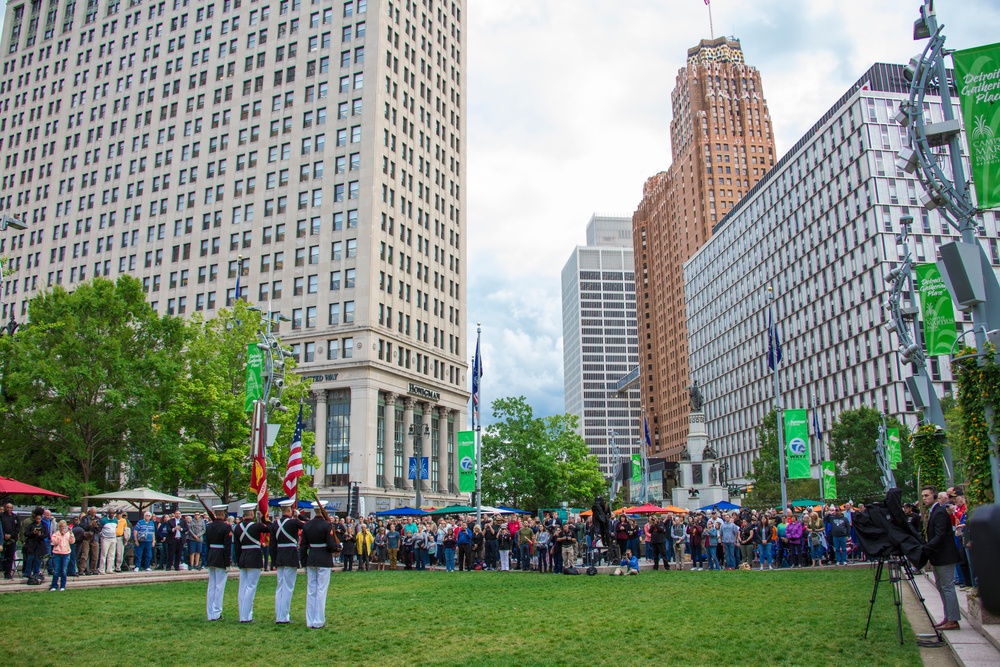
{"type": "Point", "coordinates": [364, 540]}
{"type": "Point", "coordinates": [503, 547]}
{"type": "Point", "coordinates": [621, 533]}
{"type": "Point", "coordinates": [794, 532]}
{"type": "Point", "coordinates": [678, 534]}
{"type": "Point", "coordinates": [379, 552]}
{"type": "Point", "coordinates": [109, 543]}
{"type": "Point", "coordinates": [710, 539]}
{"type": "Point", "coordinates": [632, 537]}
{"type": "Point", "coordinates": [963, 573]}
{"type": "Point", "coordinates": [941, 551]}
{"type": "Point", "coordinates": [478, 544]}
{"type": "Point", "coordinates": [143, 537]}
{"type": "Point", "coordinates": [196, 538]}
{"type": "Point", "coordinates": [568, 547]}
{"type": "Point", "coordinates": [392, 543]}
{"type": "Point", "coordinates": [816, 534]}
{"type": "Point", "coordinates": [409, 552]}
{"type": "Point", "coordinates": [10, 524]}
{"type": "Point", "coordinates": [543, 542]}
{"type": "Point", "coordinates": [449, 543]}
{"type": "Point", "coordinates": [177, 532]}
{"type": "Point", "coordinates": [61, 541]}
{"type": "Point", "coordinates": [90, 548]}
{"type": "Point", "coordinates": [839, 530]}
{"type": "Point", "coordinates": [492, 546]}
{"type": "Point", "coordinates": [658, 531]}
{"type": "Point", "coordinates": [350, 549]}
{"type": "Point", "coordinates": [767, 535]}
{"type": "Point", "coordinates": [74, 552]}
{"type": "Point", "coordinates": [420, 547]}
{"type": "Point", "coordinates": [747, 541]}
{"type": "Point", "coordinates": [50, 524]}
{"type": "Point", "coordinates": [729, 536]}
{"type": "Point", "coordinates": [525, 540]}
{"type": "Point", "coordinates": [33, 548]}
{"type": "Point", "coordinates": [121, 528]}
{"type": "Point", "coordinates": [629, 564]}
{"type": "Point", "coordinates": [695, 532]}
{"type": "Point", "coordinates": [464, 543]}
{"type": "Point", "coordinates": [646, 527]}
{"type": "Point", "coordinates": [913, 517]}
{"type": "Point", "coordinates": [430, 534]}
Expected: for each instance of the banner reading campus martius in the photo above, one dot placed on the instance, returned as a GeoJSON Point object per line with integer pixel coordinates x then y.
{"type": "Point", "coordinates": [977, 76]}
{"type": "Point", "coordinates": [797, 444]}
{"type": "Point", "coordinates": [939, 314]}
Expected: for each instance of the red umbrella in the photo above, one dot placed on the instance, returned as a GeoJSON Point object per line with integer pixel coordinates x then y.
{"type": "Point", "coordinates": [648, 508]}
{"type": "Point", "coordinates": [12, 487]}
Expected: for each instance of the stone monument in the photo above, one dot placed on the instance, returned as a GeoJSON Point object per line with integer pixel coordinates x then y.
{"type": "Point", "coordinates": [699, 465]}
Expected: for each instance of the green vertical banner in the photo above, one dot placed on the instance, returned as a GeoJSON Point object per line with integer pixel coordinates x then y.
{"type": "Point", "coordinates": [895, 452]}
{"type": "Point", "coordinates": [637, 470]}
{"type": "Point", "coordinates": [797, 444]}
{"type": "Point", "coordinates": [977, 77]}
{"type": "Point", "coordinates": [255, 368]}
{"type": "Point", "coordinates": [466, 461]}
{"type": "Point", "coordinates": [939, 314]}
{"type": "Point", "coordinates": [829, 470]}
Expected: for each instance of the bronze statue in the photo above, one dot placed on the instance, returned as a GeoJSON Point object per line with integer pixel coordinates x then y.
{"type": "Point", "coordinates": [697, 400]}
{"type": "Point", "coordinates": [602, 523]}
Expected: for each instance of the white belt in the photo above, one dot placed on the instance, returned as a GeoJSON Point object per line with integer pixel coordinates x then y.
{"type": "Point", "coordinates": [287, 545]}
{"type": "Point", "coordinates": [216, 546]}
{"type": "Point", "coordinates": [321, 545]}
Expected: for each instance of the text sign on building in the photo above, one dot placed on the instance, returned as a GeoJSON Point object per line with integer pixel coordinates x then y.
{"type": "Point", "coordinates": [417, 390]}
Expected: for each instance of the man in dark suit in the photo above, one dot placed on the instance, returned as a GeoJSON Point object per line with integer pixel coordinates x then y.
{"type": "Point", "coordinates": [942, 553]}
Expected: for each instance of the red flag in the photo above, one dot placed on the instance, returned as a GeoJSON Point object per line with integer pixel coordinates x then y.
{"type": "Point", "coordinates": [258, 467]}
{"type": "Point", "coordinates": [294, 469]}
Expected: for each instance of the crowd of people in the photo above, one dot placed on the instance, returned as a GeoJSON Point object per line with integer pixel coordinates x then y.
{"type": "Point", "coordinates": [94, 543]}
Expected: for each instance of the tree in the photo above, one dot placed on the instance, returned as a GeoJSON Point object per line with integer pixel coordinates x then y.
{"type": "Point", "coordinates": [534, 462]}
{"type": "Point", "coordinates": [83, 382]}
{"type": "Point", "coordinates": [765, 478]}
{"type": "Point", "coordinates": [853, 438]}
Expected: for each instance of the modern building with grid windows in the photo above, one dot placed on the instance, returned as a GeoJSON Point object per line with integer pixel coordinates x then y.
{"type": "Point", "coordinates": [599, 339]}
{"type": "Point", "coordinates": [316, 150]}
{"type": "Point", "coordinates": [821, 229]}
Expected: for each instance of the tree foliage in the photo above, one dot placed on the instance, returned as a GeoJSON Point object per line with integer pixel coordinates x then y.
{"type": "Point", "coordinates": [83, 382]}
{"type": "Point", "coordinates": [853, 437]}
{"type": "Point", "coordinates": [533, 462]}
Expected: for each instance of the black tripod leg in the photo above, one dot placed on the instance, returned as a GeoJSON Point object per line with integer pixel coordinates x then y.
{"type": "Point", "coordinates": [895, 578]}
{"type": "Point", "coordinates": [871, 607]}
{"type": "Point", "coordinates": [920, 598]}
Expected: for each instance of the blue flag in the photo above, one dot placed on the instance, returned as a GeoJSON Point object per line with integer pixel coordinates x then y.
{"type": "Point", "coordinates": [773, 344]}
{"type": "Point", "coordinates": [477, 374]}
{"type": "Point", "coordinates": [819, 433]}
{"type": "Point", "coordinates": [645, 431]}
{"type": "Point", "coordinates": [238, 288]}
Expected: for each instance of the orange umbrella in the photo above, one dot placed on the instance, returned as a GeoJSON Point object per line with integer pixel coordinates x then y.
{"type": "Point", "coordinates": [675, 510]}
{"type": "Point", "coordinates": [587, 513]}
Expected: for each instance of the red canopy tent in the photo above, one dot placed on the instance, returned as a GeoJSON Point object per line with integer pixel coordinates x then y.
{"type": "Point", "coordinates": [12, 487]}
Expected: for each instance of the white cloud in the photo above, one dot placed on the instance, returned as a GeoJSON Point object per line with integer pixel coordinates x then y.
{"type": "Point", "coordinates": [569, 113]}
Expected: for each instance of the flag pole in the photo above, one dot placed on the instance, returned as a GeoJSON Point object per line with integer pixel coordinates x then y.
{"type": "Point", "coordinates": [477, 427]}
{"type": "Point", "coordinates": [819, 447]}
{"type": "Point", "coordinates": [774, 346]}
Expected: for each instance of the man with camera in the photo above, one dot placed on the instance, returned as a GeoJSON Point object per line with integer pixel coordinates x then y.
{"type": "Point", "coordinates": [942, 553]}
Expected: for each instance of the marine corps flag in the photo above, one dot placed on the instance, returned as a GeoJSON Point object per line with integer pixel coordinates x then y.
{"type": "Point", "coordinates": [258, 467]}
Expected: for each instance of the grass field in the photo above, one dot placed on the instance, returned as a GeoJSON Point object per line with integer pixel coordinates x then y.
{"type": "Point", "coordinates": [481, 618]}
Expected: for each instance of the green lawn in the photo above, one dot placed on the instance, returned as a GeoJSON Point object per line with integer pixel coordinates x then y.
{"type": "Point", "coordinates": [478, 618]}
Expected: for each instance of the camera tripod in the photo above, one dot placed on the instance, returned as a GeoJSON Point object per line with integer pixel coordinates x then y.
{"type": "Point", "coordinates": [900, 571]}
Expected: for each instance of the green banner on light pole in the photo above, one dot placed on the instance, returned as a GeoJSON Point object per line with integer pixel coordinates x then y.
{"type": "Point", "coordinates": [939, 314]}
{"type": "Point", "coordinates": [636, 470]}
{"type": "Point", "coordinates": [466, 461]}
{"type": "Point", "coordinates": [255, 368]}
{"type": "Point", "coordinates": [977, 77]}
{"type": "Point", "coordinates": [829, 470]}
{"type": "Point", "coordinates": [797, 444]}
{"type": "Point", "coordinates": [895, 451]}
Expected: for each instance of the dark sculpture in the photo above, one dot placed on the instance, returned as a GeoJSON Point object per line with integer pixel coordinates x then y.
{"type": "Point", "coordinates": [602, 524]}
{"type": "Point", "coordinates": [697, 400]}
{"type": "Point", "coordinates": [709, 454]}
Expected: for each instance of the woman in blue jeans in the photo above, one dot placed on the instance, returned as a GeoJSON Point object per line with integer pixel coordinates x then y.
{"type": "Point", "coordinates": [62, 540]}
{"type": "Point", "coordinates": [768, 535]}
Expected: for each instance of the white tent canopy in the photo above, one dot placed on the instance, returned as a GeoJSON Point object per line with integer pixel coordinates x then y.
{"type": "Point", "coordinates": [142, 497]}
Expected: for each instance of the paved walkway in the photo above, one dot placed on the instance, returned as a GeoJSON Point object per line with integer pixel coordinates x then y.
{"type": "Point", "coordinates": [974, 645]}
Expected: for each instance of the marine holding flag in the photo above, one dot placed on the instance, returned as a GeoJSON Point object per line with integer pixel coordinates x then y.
{"type": "Point", "coordinates": [285, 531]}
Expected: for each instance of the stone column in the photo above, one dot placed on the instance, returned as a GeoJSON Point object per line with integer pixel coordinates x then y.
{"type": "Point", "coordinates": [442, 414]}
{"type": "Point", "coordinates": [456, 467]}
{"type": "Point", "coordinates": [390, 441]}
{"type": "Point", "coordinates": [425, 444]}
{"type": "Point", "coordinates": [407, 442]}
{"type": "Point", "coordinates": [319, 448]}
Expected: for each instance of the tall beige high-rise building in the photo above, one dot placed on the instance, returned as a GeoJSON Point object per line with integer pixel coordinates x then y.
{"type": "Point", "coordinates": [722, 143]}
{"type": "Point", "coordinates": [316, 149]}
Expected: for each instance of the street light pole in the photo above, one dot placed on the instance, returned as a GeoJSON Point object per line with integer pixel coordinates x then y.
{"type": "Point", "coordinates": [418, 448]}
{"type": "Point", "coordinates": [778, 409]}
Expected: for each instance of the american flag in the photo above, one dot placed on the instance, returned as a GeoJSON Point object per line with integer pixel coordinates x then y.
{"type": "Point", "coordinates": [477, 374]}
{"type": "Point", "coordinates": [294, 469]}
{"type": "Point", "coordinates": [258, 466]}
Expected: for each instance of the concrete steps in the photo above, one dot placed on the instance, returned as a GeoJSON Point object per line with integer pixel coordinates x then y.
{"type": "Point", "coordinates": [974, 645]}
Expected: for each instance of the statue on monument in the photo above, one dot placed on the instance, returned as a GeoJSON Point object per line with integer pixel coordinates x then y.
{"type": "Point", "coordinates": [709, 453]}
{"type": "Point", "coordinates": [713, 475]}
{"type": "Point", "coordinates": [602, 524]}
{"type": "Point", "coordinates": [697, 400]}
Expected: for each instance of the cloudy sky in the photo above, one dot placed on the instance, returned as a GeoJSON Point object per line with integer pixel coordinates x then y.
{"type": "Point", "coordinates": [569, 114]}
